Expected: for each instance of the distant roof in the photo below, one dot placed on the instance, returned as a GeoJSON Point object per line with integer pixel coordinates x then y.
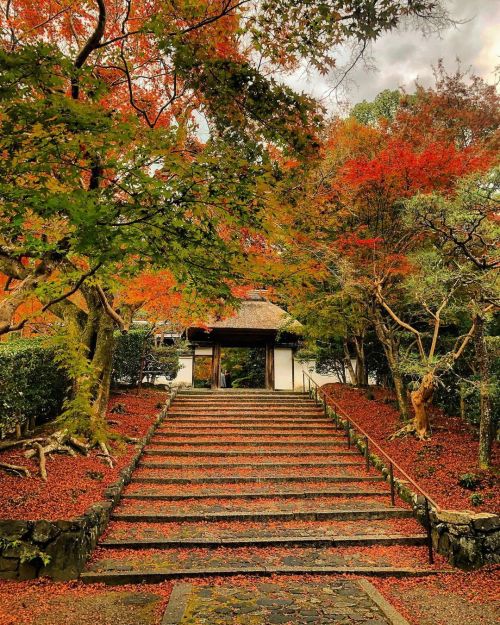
{"type": "Point", "coordinates": [258, 313]}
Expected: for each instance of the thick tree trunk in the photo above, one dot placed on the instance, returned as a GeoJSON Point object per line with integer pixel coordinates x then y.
{"type": "Point", "coordinates": [348, 362]}
{"type": "Point", "coordinates": [391, 351]}
{"type": "Point", "coordinates": [419, 399]}
{"type": "Point", "coordinates": [102, 362]}
{"type": "Point", "coordinates": [486, 414]}
{"type": "Point", "coordinates": [361, 371]}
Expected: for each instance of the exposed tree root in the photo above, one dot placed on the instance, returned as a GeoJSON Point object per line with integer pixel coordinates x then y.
{"type": "Point", "coordinates": [14, 468]}
{"type": "Point", "coordinates": [41, 461]}
{"type": "Point", "coordinates": [60, 442]}
{"type": "Point", "coordinates": [107, 457]}
{"type": "Point", "coordinates": [407, 430]}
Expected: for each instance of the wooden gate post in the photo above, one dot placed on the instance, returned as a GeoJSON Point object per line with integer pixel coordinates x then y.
{"type": "Point", "coordinates": [216, 356]}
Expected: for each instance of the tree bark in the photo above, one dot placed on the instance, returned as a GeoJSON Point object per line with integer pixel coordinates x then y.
{"type": "Point", "coordinates": [486, 413]}
{"type": "Point", "coordinates": [348, 363]}
{"type": "Point", "coordinates": [103, 362]}
{"type": "Point", "coordinates": [361, 371]}
{"type": "Point", "coordinates": [419, 399]}
{"type": "Point", "coordinates": [391, 350]}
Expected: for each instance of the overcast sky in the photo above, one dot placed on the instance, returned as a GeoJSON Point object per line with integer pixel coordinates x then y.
{"type": "Point", "coordinates": [403, 56]}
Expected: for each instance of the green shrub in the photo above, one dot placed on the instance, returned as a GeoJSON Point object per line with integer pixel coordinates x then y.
{"type": "Point", "coordinates": [469, 480]}
{"type": "Point", "coordinates": [476, 499]}
{"type": "Point", "coordinates": [129, 350]}
{"type": "Point", "coordinates": [32, 388]}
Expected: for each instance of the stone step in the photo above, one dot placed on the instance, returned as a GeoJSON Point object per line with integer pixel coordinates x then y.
{"type": "Point", "coordinates": [278, 401]}
{"type": "Point", "coordinates": [306, 494]}
{"type": "Point", "coordinates": [268, 541]}
{"type": "Point", "coordinates": [265, 516]}
{"type": "Point", "coordinates": [233, 454]}
{"type": "Point", "coordinates": [230, 421]}
{"type": "Point", "coordinates": [175, 426]}
{"type": "Point", "coordinates": [149, 576]}
{"type": "Point", "coordinates": [227, 505]}
{"type": "Point", "coordinates": [157, 440]}
{"type": "Point", "coordinates": [245, 479]}
{"type": "Point", "coordinates": [147, 464]}
{"type": "Point", "coordinates": [233, 560]}
{"type": "Point", "coordinates": [276, 490]}
{"type": "Point", "coordinates": [221, 392]}
{"type": "Point", "coordinates": [210, 412]}
{"type": "Point", "coordinates": [252, 434]}
{"type": "Point", "coordinates": [120, 530]}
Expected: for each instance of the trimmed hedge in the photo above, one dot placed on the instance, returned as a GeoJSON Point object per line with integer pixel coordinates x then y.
{"type": "Point", "coordinates": [32, 388]}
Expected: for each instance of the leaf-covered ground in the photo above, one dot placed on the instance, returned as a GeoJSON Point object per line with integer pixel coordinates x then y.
{"type": "Point", "coordinates": [435, 464]}
{"type": "Point", "coordinates": [75, 483]}
{"type": "Point", "coordinates": [453, 599]}
{"type": "Point", "coordinates": [450, 599]}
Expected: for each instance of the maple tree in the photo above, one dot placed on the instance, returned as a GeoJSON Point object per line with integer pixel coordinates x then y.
{"type": "Point", "coordinates": [362, 255]}
{"type": "Point", "coordinates": [104, 107]}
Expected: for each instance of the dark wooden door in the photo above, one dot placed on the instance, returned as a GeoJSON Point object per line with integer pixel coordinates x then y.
{"type": "Point", "coordinates": [270, 367]}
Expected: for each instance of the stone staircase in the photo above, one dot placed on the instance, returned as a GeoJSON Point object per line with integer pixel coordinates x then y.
{"type": "Point", "coordinates": [254, 482]}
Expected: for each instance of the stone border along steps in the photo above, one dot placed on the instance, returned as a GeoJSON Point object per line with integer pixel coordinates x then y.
{"type": "Point", "coordinates": [193, 521]}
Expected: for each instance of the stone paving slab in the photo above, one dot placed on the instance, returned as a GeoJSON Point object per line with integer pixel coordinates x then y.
{"type": "Point", "coordinates": [339, 602]}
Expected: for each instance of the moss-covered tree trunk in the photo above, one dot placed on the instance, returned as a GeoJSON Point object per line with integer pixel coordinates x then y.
{"type": "Point", "coordinates": [391, 350]}
{"type": "Point", "coordinates": [486, 412]}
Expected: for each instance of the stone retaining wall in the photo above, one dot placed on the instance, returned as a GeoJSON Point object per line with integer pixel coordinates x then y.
{"type": "Point", "coordinates": [60, 549]}
{"type": "Point", "coordinates": [467, 539]}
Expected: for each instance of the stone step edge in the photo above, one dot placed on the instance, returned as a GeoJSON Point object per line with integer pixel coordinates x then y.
{"type": "Point", "coordinates": [242, 479]}
{"type": "Point", "coordinates": [234, 454]}
{"type": "Point", "coordinates": [311, 515]}
{"type": "Point", "coordinates": [133, 577]}
{"type": "Point", "coordinates": [243, 421]}
{"type": "Point", "coordinates": [258, 495]}
{"type": "Point", "coordinates": [278, 443]}
{"type": "Point", "coordinates": [222, 435]}
{"type": "Point", "coordinates": [254, 465]}
{"type": "Point", "coordinates": [413, 540]}
{"type": "Point", "coordinates": [175, 425]}
{"type": "Point", "coordinates": [313, 412]}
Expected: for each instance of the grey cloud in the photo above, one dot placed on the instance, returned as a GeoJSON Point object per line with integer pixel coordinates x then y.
{"type": "Point", "coordinates": [402, 57]}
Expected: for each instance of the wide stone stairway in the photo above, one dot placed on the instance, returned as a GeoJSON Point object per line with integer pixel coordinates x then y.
{"type": "Point", "coordinates": [256, 483]}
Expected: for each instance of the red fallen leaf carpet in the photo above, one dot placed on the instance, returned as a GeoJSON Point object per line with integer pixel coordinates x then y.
{"type": "Point", "coordinates": [435, 464]}
{"type": "Point", "coordinates": [75, 483]}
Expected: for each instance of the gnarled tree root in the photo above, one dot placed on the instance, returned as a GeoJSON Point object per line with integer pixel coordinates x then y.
{"type": "Point", "coordinates": [14, 468]}
{"type": "Point", "coordinates": [408, 430]}
{"type": "Point", "coordinates": [58, 442]}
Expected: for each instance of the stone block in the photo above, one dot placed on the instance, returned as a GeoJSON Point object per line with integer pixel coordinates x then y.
{"type": "Point", "coordinates": [468, 553]}
{"type": "Point", "coordinates": [28, 570]}
{"type": "Point", "coordinates": [492, 542]}
{"type": "Point", "coordinates": [455, 517]}
{"type": "Point", "coordinates": [485, 522]}
{"type": "Point", "coordinates": [14, 530]}
{"type": "Point", "coordinates": [8, 564]}
{"type": "Point", "coordinates": [66, 556]}
{"type": "Point", "coordinates": [44, 532]}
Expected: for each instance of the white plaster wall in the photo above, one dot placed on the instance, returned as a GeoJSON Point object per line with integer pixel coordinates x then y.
{"type": "Point", "coordinates": [309, 367]}
{"type": "Point", "coordinates": [283, 368]}
{"type": "Point", "coordinates": [203, 351]}
{"type": "Point", "coordinates": [185, 373]}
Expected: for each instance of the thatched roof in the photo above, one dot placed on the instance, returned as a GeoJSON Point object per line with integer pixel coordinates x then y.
{"type": "Point", "coordinates": [257, 313]}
